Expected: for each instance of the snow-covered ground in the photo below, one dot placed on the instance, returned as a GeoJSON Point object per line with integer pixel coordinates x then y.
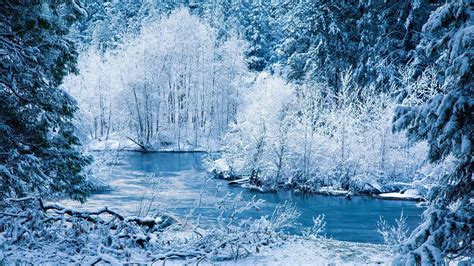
{"type": "Point", "coordinates": [321, 251]}
{"type": "Point", "coordinates": [115, 143]}
{"type": "Point", "coordinates": [333, 191]}
{"type": "Point", "coordinates": [119, 143]}
{"type": "Point", "coordinates": [409, 194]}
{"type": "Point", "coordinates": [295, 251]}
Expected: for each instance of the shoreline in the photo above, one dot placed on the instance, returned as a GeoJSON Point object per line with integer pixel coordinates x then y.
{"type": "Point", "coordinates": [150, 151]}
{"type": "Point", "coordinates": [326, 192]}
{"type": "Point", "coordinates": [240, 181]}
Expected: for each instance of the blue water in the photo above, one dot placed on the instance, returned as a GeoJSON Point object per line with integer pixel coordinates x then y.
{"type": "Point", "coordinates": [179, 181]}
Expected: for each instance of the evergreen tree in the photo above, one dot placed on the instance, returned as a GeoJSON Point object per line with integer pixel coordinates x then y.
{"type": "Point", "coordinates": [320, 42]}
{"type": "Point", "coordinates": [388, 33]}
{"type": "Point", "coordinates": [259, 35]}
{"type": "Point", "coordinates": [38, 146]}
{"type": "Point", "coordinates": [109, 22]}
{"type": "Point", "coordinates": [447, 123]}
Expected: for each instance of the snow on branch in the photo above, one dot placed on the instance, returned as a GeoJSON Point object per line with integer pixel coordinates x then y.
{"type": "Point", "coordinates": [31, 228]}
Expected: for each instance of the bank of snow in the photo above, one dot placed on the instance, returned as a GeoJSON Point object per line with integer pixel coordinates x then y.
{"type": "Point", "coordinates": [320, 251]}
{"type": "Point", "coordinates": [409, 194]}
{"type": "Point", "coordinates": [295, 251]}
{"type": "Point", "coordinates": [120, 143]}
{"type": "Point", "coordinates": [220, 168]}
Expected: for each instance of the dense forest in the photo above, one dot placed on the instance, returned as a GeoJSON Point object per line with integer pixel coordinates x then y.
{"type": "Point", "coordinates": [365, 97]}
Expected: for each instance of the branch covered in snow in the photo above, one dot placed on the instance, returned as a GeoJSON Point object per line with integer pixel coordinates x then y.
{"type": "Point", "coordinates": [29, 227]}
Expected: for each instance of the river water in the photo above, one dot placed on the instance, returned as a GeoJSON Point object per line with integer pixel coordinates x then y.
{"type": "Point", "coordinates": [176, 183]}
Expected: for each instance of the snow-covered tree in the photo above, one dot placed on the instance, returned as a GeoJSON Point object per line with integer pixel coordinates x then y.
{"type": "Point", "coordinates": [174, 84]}
{"type": "Point", "coordinates": [259, 34]}
{"type": "Point", "coordinates": [109, 23]}
{"type": "Point", "coordinates": [38, 144]}
{"type": "Point", "coordinates": [388, 31]}
{"type": "Point", "coordinates": [294, 136]}
{"type": "Point", "coordinates": [446, 122]}
{"type": "Point", "coordinates": [318, 42]}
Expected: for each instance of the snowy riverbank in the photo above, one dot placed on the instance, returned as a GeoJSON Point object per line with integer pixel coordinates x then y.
{"type": "Point", "coordinates": [407, 194]}
{"type": "Point", "coordinates": [294, 251]}
{"type": "Point", "coordinates": [121, 143]}
{"type": "Point", "coordinates": [65, 235]}
{"type": "Point", "coordinates": [221, 170]}
{"type": "Point", "coordinates": [321, 251]}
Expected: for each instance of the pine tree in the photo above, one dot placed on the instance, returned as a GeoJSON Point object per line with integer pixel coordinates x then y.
{"type": "Point", "coordinates": [320, 42]}
{"type": "Point", "coordinates": [388, 32]}
{"type": "Point", "coordinates": [38, 146]}
{"type": "Point", "coordinates": [447, 123]}
{"type": "Point", "coordinates": [108, 23]}
{"type": "Point", "coordinates": [259, 35]}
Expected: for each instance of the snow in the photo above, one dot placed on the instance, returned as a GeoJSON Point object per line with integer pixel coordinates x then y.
{"type": "Point", "coordinates": [321, 251]}
{"type": "Point", "coordinates": [105, 241]}
{"type": "Point", "coordinates": [220, 165]}
{"type": "Point", "coordinates": [117, 142]}
{"type": "Point", "coordinates": [333, 191]}
{"type": "Point", "coordinates": [239, 181]}
{"type": "Point", "coordinates": [184, 86]}
{"type": "Point", "coordinates": [409, 194]}
{"type": "Point", "coordinates": [295, 251]}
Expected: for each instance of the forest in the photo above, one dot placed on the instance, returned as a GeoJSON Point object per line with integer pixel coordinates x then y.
{"type": "Point", "coordinates": [236, 132]}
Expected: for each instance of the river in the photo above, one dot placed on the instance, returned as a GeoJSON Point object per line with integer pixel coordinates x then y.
{"type": "Point", "coordinates": [177, 182]}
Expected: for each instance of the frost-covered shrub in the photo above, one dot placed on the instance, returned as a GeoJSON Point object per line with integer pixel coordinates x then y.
{"type": "Point", "coordinates": [296, 136]}
{"type": "Point", "coordinates": [319, 225]}
{"type": "Point", "coordinates": [284, 216]}
{"type": "Point", "coordinates": [32, 231]}
{"type": "Point", "coordinates": [393, 235]}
